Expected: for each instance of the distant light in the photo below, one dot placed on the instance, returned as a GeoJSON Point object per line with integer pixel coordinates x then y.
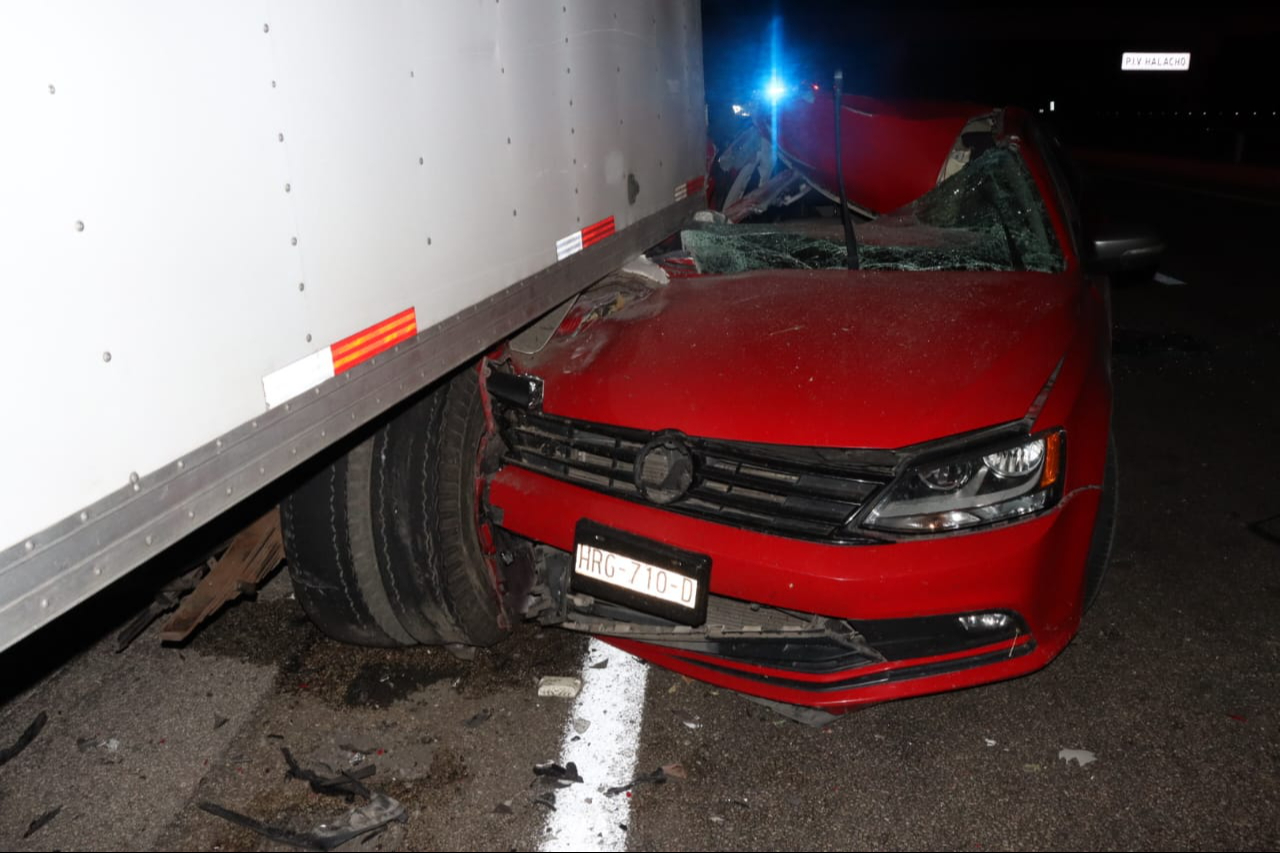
{"type": "Point", "coordinates": [1155, 61]}
{"type": "Point", "coordinates": [1052, 106]}
{"type": "Point", "coordinates": [737, 109]}
{"type": "Point", "coordinates": [1042, 109]}
{"type": "Point", "coordinates": [775, 90]}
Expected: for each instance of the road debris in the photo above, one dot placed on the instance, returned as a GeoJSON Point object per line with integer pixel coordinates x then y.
{"type": "Point", "coordinates": [41, 822]}
{"type": "Point", "coordinates": [378, 810]}
{"type": "Point", "coordinates": [479, 718]}
{"type": "Point", "coordinates": [504, 807]}
{"type": "Point", "coordinates": [1081, 757]}
{"type": "Point", "coordinates": [559, 686]}
{"type": "Point", "coordinates": [989, 741]}
{"type": "Point", "coordinates": [166, 600]}
{"type": "Point", "coordinates": [347, 784]}
{"type": "Point", "coordinates": [580, 725]}
{"type": "Point", "coordinates": [1163, 278]}
{"type": "Point", "coordinates": [600, 664]}
{"type": "Point", "coordinates": [560, 775]}
{"type": "Point", "coordinates": [219, 722]}
{"type": "Point", "coordinates": [547, 799]}
{"type": "Point", "coordinates": [24, 740]}
{"type": "Point", "coordinates": [377, 813]}
{"type": "Point", "coordinates": [657, 777]}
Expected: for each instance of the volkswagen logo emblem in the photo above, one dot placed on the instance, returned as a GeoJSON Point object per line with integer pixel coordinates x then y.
{"type": "Point", "coordinates": [664, 469]}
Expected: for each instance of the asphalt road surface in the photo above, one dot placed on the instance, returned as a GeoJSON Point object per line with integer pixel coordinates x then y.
{"type": "Point", "coordinates": [1171, 686]}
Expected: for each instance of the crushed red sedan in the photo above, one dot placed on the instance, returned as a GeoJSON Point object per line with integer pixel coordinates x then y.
{"type": "Point", "coordinates": [822, 486]}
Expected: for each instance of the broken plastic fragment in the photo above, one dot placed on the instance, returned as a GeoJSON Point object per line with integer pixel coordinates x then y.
{"type": "Point", "coordinates": [40, 822]}
{"type": "Point", "coordinates": [565, 775]}
{"type": "Point", "coordinates": [24, 740]}
{"type": "Point", "coordinates": [559, 686]}
{"type": "Point", "coordinates": [1079, 756]}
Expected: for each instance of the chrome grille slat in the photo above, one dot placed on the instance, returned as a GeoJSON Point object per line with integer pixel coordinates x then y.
{"type": "Point", "coordinates": [795, 492]}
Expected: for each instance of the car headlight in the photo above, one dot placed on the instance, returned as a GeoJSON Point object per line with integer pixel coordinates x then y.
{"type": "Point", "coordinates": [984, 486]}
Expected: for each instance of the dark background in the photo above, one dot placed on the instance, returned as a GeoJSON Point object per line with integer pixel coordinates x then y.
{"type": "Point", "coordinates": [1224, 109]}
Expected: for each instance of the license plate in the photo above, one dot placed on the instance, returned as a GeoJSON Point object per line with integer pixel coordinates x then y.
{"type": "Point", "coordinates": [642, 574]}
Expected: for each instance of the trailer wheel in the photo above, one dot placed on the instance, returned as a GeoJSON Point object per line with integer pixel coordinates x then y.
{"type": "Point", "coordinates": [328, 538]}
{"type": "Point", "coordinates": [425, 506]}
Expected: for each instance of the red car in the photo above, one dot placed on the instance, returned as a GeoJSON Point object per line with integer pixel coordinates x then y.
{"type": "Point", "coordinates": [829, 487]}
{"type": "Point", "coordinates": [742, 461]}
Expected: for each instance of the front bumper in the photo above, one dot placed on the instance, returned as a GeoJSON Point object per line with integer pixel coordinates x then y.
{"type": "Point", "coordinates": [1033, 569]}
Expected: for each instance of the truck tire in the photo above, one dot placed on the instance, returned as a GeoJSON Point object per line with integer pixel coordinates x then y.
{"type": "Point", "coordinates": [1104, 528]}
{"type": "Point", "coordinates": [383, 544]}
{"type": "Point", "coordinates": [328, 539]}
{"type": "Point", "coordinates": [425, 501]}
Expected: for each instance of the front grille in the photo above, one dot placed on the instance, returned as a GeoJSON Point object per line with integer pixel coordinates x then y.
{"type": "Point", "coordinates": [806, 493]}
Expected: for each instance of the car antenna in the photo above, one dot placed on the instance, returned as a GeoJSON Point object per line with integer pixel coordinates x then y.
{"type": "Point", "coordinates": [850, 242]}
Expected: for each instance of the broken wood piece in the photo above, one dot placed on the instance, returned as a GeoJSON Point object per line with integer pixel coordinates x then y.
{"type": "Point", "coordinates": [252, 555]}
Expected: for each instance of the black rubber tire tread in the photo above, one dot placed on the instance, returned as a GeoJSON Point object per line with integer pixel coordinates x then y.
{"type": "Point", "coordinates": [468, 582]}
{"type": "Point", "coordinates": [1104, 528]}
{"type": "Point", "coordinates": [328, 541]}
{"type": "Point", "coordinates": [424, 515]}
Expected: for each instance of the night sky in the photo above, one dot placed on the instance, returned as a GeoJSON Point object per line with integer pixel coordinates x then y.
{"type": "Point", "coordinates": [1025, 55]}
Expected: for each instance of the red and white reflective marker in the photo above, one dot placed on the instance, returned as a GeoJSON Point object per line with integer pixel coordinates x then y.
{"type": "Point", "coordinates": [579, 240]}
{"type": "Point", "coordinates": [689, 187]}
{"type": "Point", "coordinates": [308, 372]}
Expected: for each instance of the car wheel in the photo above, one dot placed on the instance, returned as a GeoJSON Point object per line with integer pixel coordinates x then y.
{"type": "Point", "coordinates": [383, 545]}
{"type": "Point", "coordinates": [1104, 528]}
{"type": "Point", "coordinates": [425, 506]}
{"type": "Point", "coordinates": [328, 540]}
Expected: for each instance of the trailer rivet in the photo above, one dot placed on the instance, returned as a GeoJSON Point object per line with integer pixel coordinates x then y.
{"type": "Point", "coordinates": [323, 434]}
{"type": "Point", "coordinates": [293, 451]}
{"type": "Point", "coordinates": [421, 161]}
{"type": "Point", "coordinates": [44, 602]}
{"type": "Point", "coordinates": [302, 285]}
{"type": "Point", "coordinates": [148, 540]}
{"type": "Point", "coordinates": [293, 241]}
{"type": "Point", "coordinates": [133, 477]}
{"type": "Point", "coordinates": [286, 407]}
{"type": "Point", "coordinates": [410, 73]}
{"type": "Point", "coordinates": [51, 89]}
{"type": "Point", "coordinates": [266, 28]}
{"type": "Point", "coordinates": [273, 84]}
{"type": "Point", "coordinates": [428, 241]}
{"type": "Point", "coordinates": [513, 213]}
{"type": "Point", "coordinates": [29, 545]}
{"type": "Point", "coordinates": [253, 425]}
{"type": "Point", "coordinates": [218, 444]}
{"type": "Point", "coordinates": [262, 470]}
{"type": "Point", "coordinates": [308, 337]}
{"type": "Point", "coordinates": [191, 513]}
{"type": "Point", "coordinates": [106, 356]}
{"type": "Point", "coordinates": [279, 136]}
{"type": "Point", "coordinates": [84, 516]}
{"type": "Point", "coordinates": [181, 465]}
{"type": "Point", "coordinates": [288, 187]}
{"type": "Point", "coordinates": [79, 224]}
{"type": "Point", "coordinates": [228, 490]}
{"type": "Point", "coordinates": [508, 140]}
{"type": "Point", "coordinates": [97, 570]}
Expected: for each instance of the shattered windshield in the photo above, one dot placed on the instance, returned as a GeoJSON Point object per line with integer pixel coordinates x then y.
{"type": "Point", "coordinates": [988, 216]}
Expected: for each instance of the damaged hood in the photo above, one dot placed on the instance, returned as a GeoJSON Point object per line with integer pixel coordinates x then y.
{"type": "Point", "coordinates": [818, 358]}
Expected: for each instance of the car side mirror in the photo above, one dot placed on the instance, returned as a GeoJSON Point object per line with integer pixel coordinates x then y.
{"type": "Point", "coordinates": [1118, 248]}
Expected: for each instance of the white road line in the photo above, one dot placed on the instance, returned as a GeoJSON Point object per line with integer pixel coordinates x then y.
{"type": "Point", "coordinates": [612, 701]}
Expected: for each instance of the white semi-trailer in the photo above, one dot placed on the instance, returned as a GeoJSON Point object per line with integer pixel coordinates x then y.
{"type": "Point", "coordinates": [234, 233]}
